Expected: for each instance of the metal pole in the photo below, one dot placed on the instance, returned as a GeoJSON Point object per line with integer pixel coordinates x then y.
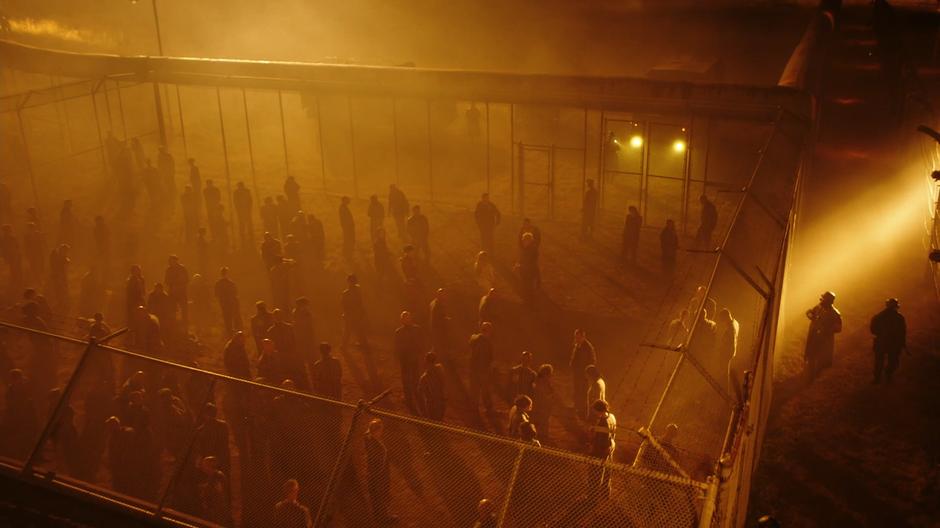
{"type": "Point", "coordinates": [352, 145]}
{"type": "Point", "coordinates": [687, 173]}
{"type": "Point", "coordinates": [94, 106]}
{"type": "Point", "coordinates": [179, 105]}
{"type": "Point", "coordinates": [512, 153]}
{"type": "Point", "coordinates": [512, 484]}
{"type": "Point", "coordinates": [228, 177]}
{"type": "Point", "coordinates": [174, 478]}
{"type": "Point", "coordinates": [280, 104]}
{"type": "Point", "coordinates": [320, 140]}
{"type": "Point", "coordinates": [395, 136]}
{"type": "Point", "coordinates": [158, 108]}
{"type": "Point", "coordinates": [487, 146]}
{"type": "Point", "coordinates": [121, 107]}
{"type": "Point", "coordinates": [251, 153]}
{"type": "Point", "coordinates": [29, 163]}
{"type": "Point", "coordinates": [601, 149]}
{"type": "Point", "coordinates": [107, 103]}
{"type": "Point", "coordinates": [430, 154]}
{"type": "Point", "coordinates": [156, 23]}
{"type": "Point", "coordinates": [708, 508]}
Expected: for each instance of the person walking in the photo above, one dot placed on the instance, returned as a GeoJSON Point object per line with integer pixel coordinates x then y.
{"type": "Point", "coordinates": [825, 322]}
{"type": "Point", "coordinates": [487, 216]}
{"type": "Point", "coordinates": [890, 339]}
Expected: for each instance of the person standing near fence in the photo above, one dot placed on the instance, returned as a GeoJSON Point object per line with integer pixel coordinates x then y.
{"type": "Point", "coordinates": [378, 474]}
{"type": "Point", "coordinates": [354, 314]}
{"type": "Point", "coordinates": [669, 247]}
{"type": "Point", "coordinates": [890, 332]}
{"type": "Point", "coordinates": [603, 442]}
{"type": "Point", "coordinates": [241, 199]}
{"type": "Point", "coordinates": [348, 225]}
{"type": "Point", "coordinates": [481, 366]}
{"type": "Point", "coordinates": [227, 294]}
{"type": "Point", "coordinates": [825, 322]}
{"type": "Point", "coordinates": [582, 355]}
{"type": "Point", "coordinates": [707, 224]}
{"type": "Point", "coordinates": [327, 374]}
{"type": "Point", "coordinates": [439, 323]}
{"type": "Point", "coordinates": [419, 230]}
{"type": "Point", "coordinates": [432, 400]}
{"type": "Point", "coordinates": [588, 210]}
{"type": "Point", "coordinates": [409, 347]}
{"type": "Point", "coordinates": [398, 209]}
{"type": "Point", "coordinates": [177, 284]}
{"type": "Point", "coordinates": [487, 217]}
{"type": "Point", "coordinates": [290, 513]}
{"type": "Point", "coordinates": [631, 236]}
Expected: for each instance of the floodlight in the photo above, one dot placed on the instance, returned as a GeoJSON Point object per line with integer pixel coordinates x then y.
{"type": "Point", "coordinates": [678, 146]}
{"type": "Point", "coordinates": [636, 141]}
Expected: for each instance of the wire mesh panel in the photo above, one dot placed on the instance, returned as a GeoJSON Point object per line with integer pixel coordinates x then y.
{"type": "Point", "coordinates": [426, 475]}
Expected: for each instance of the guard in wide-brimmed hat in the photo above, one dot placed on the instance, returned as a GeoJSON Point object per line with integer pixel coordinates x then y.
{"type": "Point", "coordinates": [825, 323]}
{"type": "Point", "coordinates": [890, 333]}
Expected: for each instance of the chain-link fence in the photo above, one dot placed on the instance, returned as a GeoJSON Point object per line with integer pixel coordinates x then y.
{"type": "Point", "coordinates": [206, 449]}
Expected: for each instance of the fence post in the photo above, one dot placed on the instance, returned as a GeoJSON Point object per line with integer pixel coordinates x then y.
{"type": "Point", "coordinates": [280, 105]}
{"type": "Point", "coordinates": [512, 484]}
{"type": "Point", "coordinates": [228, 175]}
{"type": "Point", "coordinates": [174, 479]}
{"type": "Point", "coordinates": [251, 151]}
{"type": "Point", "coordinates": [179, 107]}
{"type": "Point", "coordinates": [29, 162]}
{"type": "Point", "coordinates": [430, 154]}
{"type": "Point", "coordinates": [711, 499]}
{"type": "Point", "coordinates": [352, 145]}
{"type": "Point", "coordinates": [320, 140]}
{"type": "Point", "coordinates": [158, 107]}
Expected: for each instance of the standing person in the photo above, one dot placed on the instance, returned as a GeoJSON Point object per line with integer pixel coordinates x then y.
{"type": "Point", "coordinates": [522, 377]}
{"type": "Point", "coordinates": [227, 294]}
{"type": "Point", "coordinates": [709, 220]}
{"type": "Point", "coordinates": [378, 474]}
{"type": "Point", "coordinates": [282, 334]}
{"type": "Point", "coordinates": [420, 232]}
{"type": "Point", "coordinates": [67, 223]}
{"type": "Point", "coordinates": [376, 214]}
{"type": "Point", "coordinates": [543, 399]}
{"type": "Point", "coordinates": [669, 247]}
{"type": "Point", "coordinates": [597, 388]}
{"type": "Point", "coordinates": [439, 323]}
{"type": "Point", "coordinates": [289, 512]}
{"type": "Point", "coordinates": [354, 314]}
{"type": "Point", "coordinates": [189, 202]}
{"type": "Point", "coordinates": [292, 192]}
{"type": "Point", "coordinates": [432, 401]}
{"type": "Point", "coordinates": [235, 357]}
{"type": "Point", "coordinates": [631, 236]}
{"type": "Point", "coordinates": [519, 414]}
{"type": "Point", "coordinates": [409, 347]}
{"type": "Point", "coordinates": [260, 322]}
{"type": "Point", "coordinates": [269, 220]}
{"type": "Point", "coordinates": [166, 167]}
{"type": "Point", "coordinates": [490, 309]}
{"type": "Point", "coordinates": [177, 284]}
{"type": "Point", "coordinates": [398, 208]}
{"type": "Point", "coordinates": [348, 225]}
{"type": "Point", "coordinates": [481, 366]}
{"type": "Point", "coordinates": [484, 271]}
{"type": "Point", "coordinates": [195, 181]}
{"type": "Point", "coordinates": [528, 266]}
{"type": "Point", "coordinates": [603, 444]}
{"type": "Point", "coordinates": [135, 292]}
{"type": "Point", "coordinates": [241, 198]}
{"type": "Point", "coordinates": [588, 210]}
{"type": "Point", "coordinates": [327, 374]}
{"type": "Point", "coordinates": [213, 198]}
{"type": "Point", "coordinates": [409, 264]}
{"type": "Point", "coordinates": [304, 332]}
{"type": "Point", "coordinates": [890, 332]}
{"type": "Point", "coordinates": [825, 322]}
{"type": "Point", "coordinates": [582, 355]}
{"type": "Point", "coordinates": [488, 217]}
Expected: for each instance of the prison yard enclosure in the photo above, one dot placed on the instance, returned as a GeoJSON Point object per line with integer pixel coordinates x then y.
{"type": "Point", "coordinates": [444, 137]}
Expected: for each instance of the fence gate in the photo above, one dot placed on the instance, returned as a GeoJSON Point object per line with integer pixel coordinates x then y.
{"type": "Point", "coordinates": [536, 181]}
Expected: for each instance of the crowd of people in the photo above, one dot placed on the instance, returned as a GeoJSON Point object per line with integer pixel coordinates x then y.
{"type": "Point", "coordinates": [137, 413]}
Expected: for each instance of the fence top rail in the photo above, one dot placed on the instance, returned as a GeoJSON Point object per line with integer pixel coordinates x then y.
{"type": "Point", "coordinates": [581, 91]}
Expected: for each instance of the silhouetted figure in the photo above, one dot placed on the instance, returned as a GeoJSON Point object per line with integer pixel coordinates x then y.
{"type": "Point", "coordinates": [305, 335]}
{"type": "Point", "coordinates": [58, 278]}
{"type": "Point", "coordinates": [597, 389]}
{"type": "Point", "coordinates": [588, 210]}
{"type": "Point", "coordinates": [528, 266]}
{"type": "Point", "coordinates": [439, 325]}
{"type": "Point", "coordinates": [289, 513]}
{"type": "Point", "coordinates": [348, 226]}
{"type": "Point", "coordinates": [166, 167]}
{"type": "Point", "coordinates": [135, 292]}
{"type": "Point", "coordinates": [19, 423]}
{"type": "Point", "coordinates": [241, 198]}
{"type": "Point", "coordinates": [177, 286]}
{"type": "Point", "coordinates": [522, 377]}
{"type": "Point", "coordinates": [160, 304]}
{"type": "Point", "coordinates": [226, 292]}
{"type": "Point", "coordinates": [409, 348]}
{"type": "Point", "coordinates": [486, 515]}
{"type": "Point", "coordinates": [487, 217]}
{"type": "Point", "coordinates": [354, 314]}
{"type": "Point", "coordinates": [518, 414]}
{"type": "Point", "coordinates": [669, 247]}
{"type": "Point", "coordinates": [212, 438]}
{"type": "Point", "coordinates": [543, 399]}
{"type": "Point", "coordinates": [398, 208]}
{"type": "Point", "coordinates": [825, 323]}
{"type": "Point", "coordinates": [292, 361]}
{"type": "Point", "coordinates": [260, 322]}
{"type": "Point", "coordinates": [707, 224]}
{"type": "Point", "coordinates": [631, 236]}
{"type": "Point", "coordinates": [432, 400]}
{"type": "Point", "coordinates": [378, 474]}
{"type": "Point", "coordinates": [582, 355]}
{"type": "Point", "coordinates": [269, 363]}
{"type": "Point", "coordinates": [409, 264]}
{"type": "Point", "coordinates": [603, 444]}
{"type": "Point", "coordinates": [145, 331]}
{"type": "Point", "coordinates": [235, 357]}
{"type": "Point", "coordinates": [271, 251]}
{"type": "Point", "coordinates": [189, 202]}
{"type": "Point", "coordinates": [481, 366]}
{"type": "Point", "coordinates": [376, 214]}
{"type": "Point", "coordinates": [419, 231]}
{"type": "Point", "coordinates": [269, 217]}
{"type": "Point", "coordinates": [484, 271]}
{"type": "Point", "coordinates": [292, 193]}
{"type": "Point", "coordinates": [213, 198]}
{"type": "Point", "coordinates": [491, 309]}
{"type": "Point", "coordinates": [327, 374]}
{"type": "Point", "coordinates": [890, 332]}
